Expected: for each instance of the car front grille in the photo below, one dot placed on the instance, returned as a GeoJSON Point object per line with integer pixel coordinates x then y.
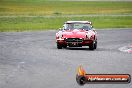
{"type": "Point", "coordinates": [73, 40]}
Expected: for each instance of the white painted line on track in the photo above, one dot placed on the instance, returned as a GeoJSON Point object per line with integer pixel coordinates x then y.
{"type": "Point", "coordinates": [127, 49]}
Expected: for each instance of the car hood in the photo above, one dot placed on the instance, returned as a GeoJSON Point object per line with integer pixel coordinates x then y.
{"type": "Point", "coordinates": [74, 34]}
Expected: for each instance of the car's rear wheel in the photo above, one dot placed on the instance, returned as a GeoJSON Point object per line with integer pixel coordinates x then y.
{"type": "Point", "coordinates": [59, 46]}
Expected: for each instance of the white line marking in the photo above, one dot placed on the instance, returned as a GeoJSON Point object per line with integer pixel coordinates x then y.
{"type": "Point", "coordinates": [127, 49]}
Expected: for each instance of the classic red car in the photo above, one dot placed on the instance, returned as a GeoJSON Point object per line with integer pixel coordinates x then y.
{"type": "Point", "coordinates": [77, 34]}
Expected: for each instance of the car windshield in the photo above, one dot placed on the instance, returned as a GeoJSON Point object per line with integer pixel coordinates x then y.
{"type": "Point", "coordinates": [83, 26]}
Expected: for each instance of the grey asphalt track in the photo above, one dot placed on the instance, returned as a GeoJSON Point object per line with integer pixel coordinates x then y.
{"type": "Point", "coordinates": [31, 60]}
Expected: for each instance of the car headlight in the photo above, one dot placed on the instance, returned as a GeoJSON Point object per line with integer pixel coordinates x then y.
{"type": "Point", "coordinates": [88, 35]}
{"type": "Point", "coordinates": [60, 35]}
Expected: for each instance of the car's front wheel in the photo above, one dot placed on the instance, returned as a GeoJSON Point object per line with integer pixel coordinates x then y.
{"type": "Point", "coordinates": [93, 45]}
{"type": "Point", "coordinates": [64, 46]}
{"type": "Point", "coordinates": [59, 46]}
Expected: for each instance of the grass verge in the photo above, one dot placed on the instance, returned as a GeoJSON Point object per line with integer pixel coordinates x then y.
{"type": "Point", "coordinates": [42, 7]}
{"type": "Point", "coordinates": [46, 23]}
{"type": "Point", "coordinates": [57, 10]}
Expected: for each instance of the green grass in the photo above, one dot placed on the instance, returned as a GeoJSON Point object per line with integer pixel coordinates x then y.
{"type": "Point", "coordinates": [57, 11]}
{"type": "Point", "coordinates": [43, 23]}
{"type": "Point", "coordinates": [42, 7]}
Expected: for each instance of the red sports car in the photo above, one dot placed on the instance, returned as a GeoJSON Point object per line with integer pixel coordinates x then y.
{"type": "Point", "coordinates": [77, 34]}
